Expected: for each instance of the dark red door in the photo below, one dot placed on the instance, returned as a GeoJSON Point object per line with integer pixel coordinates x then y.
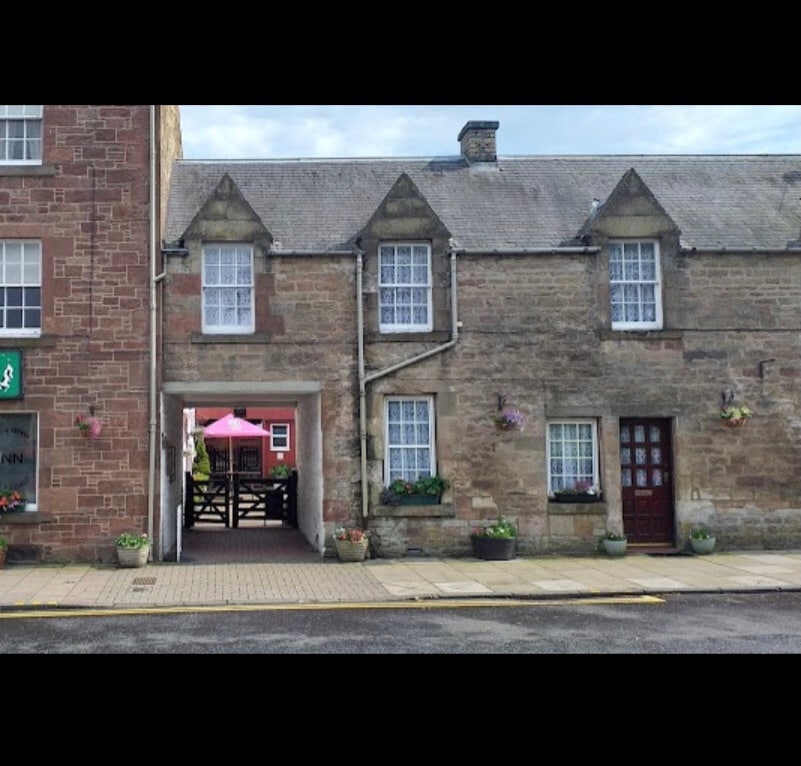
{"type": "Point", "coordinates": [646, 481]}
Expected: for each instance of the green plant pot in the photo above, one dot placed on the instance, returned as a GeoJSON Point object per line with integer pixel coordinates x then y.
{"type": "Point", "coordinates": [702, 547]}
{"type": "Point", "coordinates": [615, 547]}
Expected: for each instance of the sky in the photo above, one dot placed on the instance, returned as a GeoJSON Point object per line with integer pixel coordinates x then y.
{"type": "Point", "coordinates": [305, 132]}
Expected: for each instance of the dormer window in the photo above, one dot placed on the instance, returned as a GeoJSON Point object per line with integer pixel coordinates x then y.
{"type": "Point", "coordinates": [20, 135]}
{"type": "Point", "coordinates": [405, 287]}
{"type": "Point", "coordinates": [635, 285]}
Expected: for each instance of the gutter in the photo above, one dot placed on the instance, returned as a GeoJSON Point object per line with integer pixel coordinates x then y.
{"type": "Point", "coordinates": [737, 249]}
{"type": "Point", "coordinates": [527, 250]}
{"type": "Point", "coordinates": [365, 379]}
{"type": "Point", "coordinates": [151, 480]}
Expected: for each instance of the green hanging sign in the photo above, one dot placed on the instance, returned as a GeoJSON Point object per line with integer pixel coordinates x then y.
{"type": "Point", "coordinates": [10, 373]}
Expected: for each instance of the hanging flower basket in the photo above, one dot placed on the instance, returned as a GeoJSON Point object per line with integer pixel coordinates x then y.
{"type": "Point", "coordinates": [88, 425]}
{"type": "Point", "coordinates": [510, 420]}
{"type": "Point", "coordinates": [735, 417]}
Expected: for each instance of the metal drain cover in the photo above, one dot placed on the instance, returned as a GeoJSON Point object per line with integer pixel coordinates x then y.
{"type": "Point", "coordinates": [144, 581]}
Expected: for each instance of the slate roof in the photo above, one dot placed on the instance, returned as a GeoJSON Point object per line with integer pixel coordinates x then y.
{"type": "Point", "coordinates": [717, 201]}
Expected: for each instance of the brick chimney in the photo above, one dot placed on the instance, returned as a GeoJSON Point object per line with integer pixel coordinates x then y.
{"type": "Point", "coordinates": [477, 141]}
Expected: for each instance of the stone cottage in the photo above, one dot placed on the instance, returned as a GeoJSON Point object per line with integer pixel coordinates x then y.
{"type": "Point", "coordinates": [610, 307]}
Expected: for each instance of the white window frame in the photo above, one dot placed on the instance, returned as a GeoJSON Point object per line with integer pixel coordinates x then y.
{"type": "Point", "coordinates": [11, 476]}
{"type": "Point", "coordinates": [29, 120]}
{"type": "Point", "coordinates": [636, 284]}
{"type": "Point", "coordinates": [399, 287]}
{"type": "Point", "coordinates": [20, 269]}
{"type": "Point", "coordinates": [235, 288]}
{"type": "Point", "coordinates": [274, 447]}
{"type": "Point", "coordinates": [420, 458]}
{"type": "Point", "coordinates": [561, 476]}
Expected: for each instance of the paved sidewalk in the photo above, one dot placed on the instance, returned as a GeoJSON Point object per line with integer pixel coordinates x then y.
{"type": "Point", "coordinates": [169, 585]}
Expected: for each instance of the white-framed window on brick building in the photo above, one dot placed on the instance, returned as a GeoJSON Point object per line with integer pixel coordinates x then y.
{"type": "Point", "coordinates": [20, 288]}
{"type": "Point", "coordinates": [635, 285]}
{"type": "Point", "coordinates": [572, 447]}
{"type": "Point", "coordinates": [404, 275]}
{"type": "Point", "coordinates": [409, 438]}
{"type": "Point", "coordinates": [228, 289]}
{"type": "Point", "coordinates": [19, 454]}
{"type": "Point", "coordinates": [20, 135]}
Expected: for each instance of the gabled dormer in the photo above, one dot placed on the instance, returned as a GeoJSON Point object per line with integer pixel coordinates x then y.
{"type": "Point", "coordinates": [630, 210]}
{"type": "Point", "coordinates": [227, 216]}
{"type": "Point", "coordinates": [407, 271]}
{"type": "Point", "coordinates": [637, 237]}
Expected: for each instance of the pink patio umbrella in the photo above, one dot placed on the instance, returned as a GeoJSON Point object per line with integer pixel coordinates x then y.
{"type": "Point", "coordinates": [231, 427]}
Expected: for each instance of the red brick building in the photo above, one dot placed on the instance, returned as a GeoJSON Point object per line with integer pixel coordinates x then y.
{"type": "Point", "coordinates": [81, 211]}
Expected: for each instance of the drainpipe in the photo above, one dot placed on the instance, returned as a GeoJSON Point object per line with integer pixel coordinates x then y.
{"type": "Point", "coordinates": [362, 403]}
{"type": "Point", "coordinates": [151, 489]}
{"type": "Point", "coordinates": [365, 379]}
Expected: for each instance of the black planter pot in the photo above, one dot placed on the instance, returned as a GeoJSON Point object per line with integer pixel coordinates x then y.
{"type": "Point", "coordinates": [494, 548]}
{"type": "Point", "coordinates": [578, 497]}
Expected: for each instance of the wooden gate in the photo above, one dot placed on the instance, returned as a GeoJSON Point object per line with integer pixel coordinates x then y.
{"type": "Point", "coordinates": [227, 500]}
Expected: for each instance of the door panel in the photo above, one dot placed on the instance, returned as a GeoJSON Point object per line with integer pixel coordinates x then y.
{"type": "Point", "coordinates": [646, 471]}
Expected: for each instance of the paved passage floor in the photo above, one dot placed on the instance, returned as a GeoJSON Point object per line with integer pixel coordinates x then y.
{"type": "Point", "coordinates": [252, 542]}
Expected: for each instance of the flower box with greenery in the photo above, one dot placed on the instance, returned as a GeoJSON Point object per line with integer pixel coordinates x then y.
{"type": "Point", "coordinates": [133, 549]}
{"type": "Point", "coordinates": [11, 501]}
{"type": "Point", "coordinates": [496, 542]}
{"type": "Point", "coordinates": [427, 490]}
{"type": "Point", "coordinates": [580, 492]}
{"type": "Point", "coordinates": [351, 543]}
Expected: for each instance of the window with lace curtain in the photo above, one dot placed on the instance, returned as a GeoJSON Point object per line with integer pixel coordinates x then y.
{"type": "Point", "coordinates": [20, 135]}
{"type": "Point", "coordinates": [635, 290]}
{"type": "Point", "coordinates": [404, 287]}
{"type": "Point", "coordinates": [228, 289]}
{"type": "Point", "coordinates": [572, 454]}
{"type": "Point", "coordinates": [409, 438]}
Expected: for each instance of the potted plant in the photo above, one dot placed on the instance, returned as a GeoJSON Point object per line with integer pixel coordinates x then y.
{"type": "Point", "coordinates": [579, 492]}
{"type": "Point", "coordinates": [133, 549]}
{"type": "Point", "coordinates": [351, 543]}
{"type": "Point", "coordinates": [280, 471]}
{"type": "Point", "coordinates": [11, 501]}
{"type": "Point", "coordinates": [614, 543]}
{"type": "Point", "coordinates": [702, 540]}
{"type": "Point", "coordinates": [426, 490]}
{"type": "Point", "coordinates": [496, 542]}
{"type": "Point", "coordinates": [3, 550]}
